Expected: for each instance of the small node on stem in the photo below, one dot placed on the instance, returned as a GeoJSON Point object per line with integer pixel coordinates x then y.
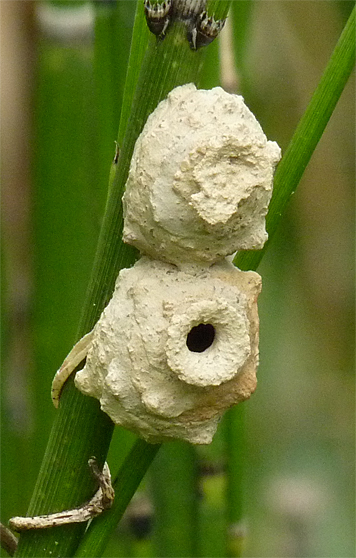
{"type": "Point", "coordinates": [201, 28]}
{"type": "Point", "coordinates": [158, 16]}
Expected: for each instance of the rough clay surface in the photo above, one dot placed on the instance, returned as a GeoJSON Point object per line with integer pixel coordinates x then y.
{"type": "Point", "coordinates": [139, 365]}
{"type": "Point", "coordinates": [200, 179]}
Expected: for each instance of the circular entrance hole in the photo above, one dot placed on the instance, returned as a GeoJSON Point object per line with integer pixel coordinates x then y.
{"type": "Point", "coordinates": [200, 338]}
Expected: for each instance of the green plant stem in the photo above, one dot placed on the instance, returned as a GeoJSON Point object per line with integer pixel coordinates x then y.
{"type": "Point", "coordinates": [174, 492]}
{"type": "Point", "coordinates": [111, 54]}
{"type": "Point", "coordinates": [140, 38]}
{"type": "Point", "coordinates": [126, 483]}
{"type": "Point", "coordinates": [306, 137]}
{"type": "Point", "coordinates": [235, 449]}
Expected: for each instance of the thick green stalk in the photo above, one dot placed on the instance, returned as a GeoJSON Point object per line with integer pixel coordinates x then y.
{"type": "Point", "coordinates": [140, 38]}
{"type": "Point", "coordinates": [174, 483]}
{"type": "Point", "coordinates": [111, 54]}
{"type": "Point", "coordinates": [113, 30]}
{"type": "Point", "coordinates": [306, 137]}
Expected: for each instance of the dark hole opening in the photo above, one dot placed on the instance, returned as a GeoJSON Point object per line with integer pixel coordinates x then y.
{"type": "Point", "coordinates": [200, 338]}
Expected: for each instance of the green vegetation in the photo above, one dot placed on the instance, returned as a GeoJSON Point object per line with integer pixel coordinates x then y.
{"type": "Point", "coordinates": [287, 433]}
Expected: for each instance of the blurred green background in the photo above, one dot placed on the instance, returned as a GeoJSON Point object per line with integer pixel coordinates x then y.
{"type": "Point", "coordinates": [58, 130]}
